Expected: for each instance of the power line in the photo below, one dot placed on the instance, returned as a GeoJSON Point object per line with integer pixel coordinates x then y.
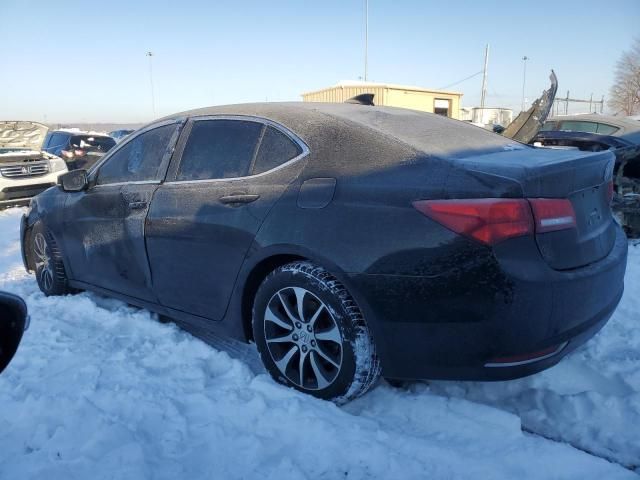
{"type": "Point", "coordinates": [460, 81]}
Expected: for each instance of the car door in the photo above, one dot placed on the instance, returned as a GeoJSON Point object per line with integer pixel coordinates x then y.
{"type": "Point", "coordinates": [203, 219]}
{"type": "Point", "coordinates": [104, 225]}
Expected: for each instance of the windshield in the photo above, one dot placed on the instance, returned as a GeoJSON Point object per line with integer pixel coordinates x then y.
{"type": "Point", "coordinates": [92, 143]}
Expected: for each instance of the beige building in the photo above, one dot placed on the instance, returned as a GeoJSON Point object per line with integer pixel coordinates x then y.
{"type": "Point", "coordinates": [415, 98]}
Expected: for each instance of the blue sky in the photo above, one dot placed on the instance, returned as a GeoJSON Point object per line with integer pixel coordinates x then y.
{"type": "Point", "coordinates": [78, 61]}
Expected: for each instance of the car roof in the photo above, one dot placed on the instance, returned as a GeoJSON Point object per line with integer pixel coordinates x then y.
{"type": "Point", "coordinates": [424, 132]}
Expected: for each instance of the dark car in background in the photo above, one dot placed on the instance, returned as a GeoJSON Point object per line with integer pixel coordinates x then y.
{"type": "Point", "coordinates": [621, 127]}
{"type": "Point", "coordinates": [79, 149]}
{"type": "Point", "coordinates": [346, 240]}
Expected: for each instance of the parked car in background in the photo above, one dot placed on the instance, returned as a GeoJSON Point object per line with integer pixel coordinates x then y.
{"type": "Point", "coordinates": [25, 170]}
{"type": "Point", "coordinates": [596, 133]}
{"type": "Point", "coordinates": [118, 135]}
{"type": "Point", "coordinates": [79, 149]}
{"type": "Point", "coordinates": [621, 127]}
{"type": "Point", "coordinates": [346, 240]}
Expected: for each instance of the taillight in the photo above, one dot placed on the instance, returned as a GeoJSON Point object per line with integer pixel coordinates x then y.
{"type": "Point", "coordinates": [552, 214]}
{"type": "Point", "coordinates": [67, 154]}
{"type": "Point", "coordinates": [488, 220]}
{"type": "Point", "coordinates": [78, 152]}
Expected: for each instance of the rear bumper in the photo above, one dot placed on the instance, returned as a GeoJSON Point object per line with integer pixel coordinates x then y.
{"type": "Point", "coordinates": [452, 325]}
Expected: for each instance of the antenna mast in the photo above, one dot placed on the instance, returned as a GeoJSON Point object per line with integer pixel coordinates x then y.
{"type": "Point", "coordinates": [483, 96]}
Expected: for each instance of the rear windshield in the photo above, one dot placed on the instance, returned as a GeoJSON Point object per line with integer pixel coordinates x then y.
{"type": "Point", "coordinates": [92, 143]}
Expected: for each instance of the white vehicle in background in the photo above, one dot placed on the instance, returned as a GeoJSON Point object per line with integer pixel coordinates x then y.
{"type": "Point", "coordinates": [25, 170]}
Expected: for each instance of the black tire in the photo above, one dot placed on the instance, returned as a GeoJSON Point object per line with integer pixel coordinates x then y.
{"type": "Point", "coordinates": [47, 261]}
{"type": "Point", "coordinates": [327, 310]}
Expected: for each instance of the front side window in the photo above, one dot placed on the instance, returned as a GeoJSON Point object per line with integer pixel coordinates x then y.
{"type": "Point", "coordinates": [219, 149]}
{"type": "Point", "coordinates": [275, 149]}
{"type": "Point", "coordinates": [140, 159]}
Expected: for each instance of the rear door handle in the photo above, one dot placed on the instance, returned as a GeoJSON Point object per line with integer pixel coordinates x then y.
{"type": "Point", "coordinates": [137, 205]}
{"type": "Point", "coordinates": [239, 198]}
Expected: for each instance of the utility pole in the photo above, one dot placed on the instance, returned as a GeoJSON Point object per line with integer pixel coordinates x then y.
{"type": "Point", "coordinates": [153, 97]}
{"type": "Point", "coordinates": [366, 38]}
{"type": "Point", "coordinates": [483, 96]}
{"type": "Point", "coordinates": [524, 80]}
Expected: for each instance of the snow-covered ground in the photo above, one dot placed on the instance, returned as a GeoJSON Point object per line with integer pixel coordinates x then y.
{"type": "Point", "coordinates": [101, 390]}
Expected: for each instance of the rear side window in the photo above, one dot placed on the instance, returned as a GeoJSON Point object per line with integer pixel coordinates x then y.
{"type": "Point", "coordinates": [219, 149]}
{"type": "Point", "coordinates": [139, 159]}
{"type": "Point", "coordinates": [275, 149]}
{"type": "Point", "coordinates": [579, 126]}
{"type": "Point", "coordinates": [605, 129]}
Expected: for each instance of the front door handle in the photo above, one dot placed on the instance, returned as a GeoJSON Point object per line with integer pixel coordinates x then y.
{"type": "Point", "coordinates": [239, 198]}
{"type": "Point", "coordinates": [137, 205]}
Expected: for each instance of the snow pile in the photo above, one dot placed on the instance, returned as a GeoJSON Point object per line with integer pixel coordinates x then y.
{"type": "Point", "coordinates": [102, 390]}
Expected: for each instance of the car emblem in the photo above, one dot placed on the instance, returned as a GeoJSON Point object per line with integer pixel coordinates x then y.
{"type": "Point", "coordinates": [25, 170]}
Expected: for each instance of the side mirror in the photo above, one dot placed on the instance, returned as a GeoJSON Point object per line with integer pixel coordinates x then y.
{"type": "Point", "coordinates": [13, 323]}
{"type": "Point", "coordinates": [74, 181]}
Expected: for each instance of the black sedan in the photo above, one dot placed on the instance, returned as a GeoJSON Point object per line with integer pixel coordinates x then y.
{"type": "Point", "coordinates": [347, 241]}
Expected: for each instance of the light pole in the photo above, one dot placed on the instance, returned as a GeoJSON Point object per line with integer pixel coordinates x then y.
{"type": "Point", "coordinates": [524, 78]}
{"type": "Point", "coordinates": [366, 37]}
{"type": "Point", "coordinates": [153, 97]}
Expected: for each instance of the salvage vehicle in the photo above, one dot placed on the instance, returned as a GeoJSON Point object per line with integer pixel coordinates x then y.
{"type": "Point", "coordinates": [347, 241]}
{"type": "Point", "coordinates": [14, 320]}
{"type": "Point", "coordinates": [25, 170]}
{"type": "Point", "coordinates": [79, 149]}
{"type": "Point", "coordinates": [596, 133]}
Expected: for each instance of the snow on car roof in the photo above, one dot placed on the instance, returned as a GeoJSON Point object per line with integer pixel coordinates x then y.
{"type": "Point", "coordinates": [78, 131]}
{"type": "Point", "coordinates": [426, 132]}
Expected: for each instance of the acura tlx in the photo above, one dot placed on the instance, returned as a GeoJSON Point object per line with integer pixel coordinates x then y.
{"type": "Point", "coordinates": [347, 241]}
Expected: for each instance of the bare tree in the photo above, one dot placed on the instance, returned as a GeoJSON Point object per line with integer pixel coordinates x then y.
{"type": "Point", "coordinates": [625, 93]}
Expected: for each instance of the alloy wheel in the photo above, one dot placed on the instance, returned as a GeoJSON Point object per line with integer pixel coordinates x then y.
{"type": "Point", "coordinates": [44, 268]}
{"type": "Point", "coordinates": [303, 338]}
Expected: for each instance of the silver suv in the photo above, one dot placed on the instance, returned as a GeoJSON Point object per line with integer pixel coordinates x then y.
{"type": "Point", "coordinates": [25, 170]}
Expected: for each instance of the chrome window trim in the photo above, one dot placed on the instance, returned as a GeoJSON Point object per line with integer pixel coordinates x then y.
{"type": "Point", "coordinates": [120, 184]}
{"type": "Point", "coordinates": [247, 118]}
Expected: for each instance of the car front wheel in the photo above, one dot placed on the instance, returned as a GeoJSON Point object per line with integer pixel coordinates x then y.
{"type": "Point", "coordinates": [312, 336]}
{"type": "Point", "coordinates": [47, 261]}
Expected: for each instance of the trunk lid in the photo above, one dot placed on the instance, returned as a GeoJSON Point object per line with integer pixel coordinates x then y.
{"type": "Point", "coordinates": [583, 178]}
{"type": "Point", "coordinates": [527, 124]}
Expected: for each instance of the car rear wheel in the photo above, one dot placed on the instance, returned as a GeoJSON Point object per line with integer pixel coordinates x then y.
{"type": "Point", "coordinates": [312, 336]}
{"type": "Point", "coordinates": [47, 260]}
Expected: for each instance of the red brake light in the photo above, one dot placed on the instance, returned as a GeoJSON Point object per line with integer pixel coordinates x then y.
{"type": "Point", "coordinates": [552, 214]}
{"type": "Point", "coordinates": [78, 152]}
{"type": "Point", "coordinates": [488, 220]}
{"type": "Point", "coordinates": [66, 153]}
